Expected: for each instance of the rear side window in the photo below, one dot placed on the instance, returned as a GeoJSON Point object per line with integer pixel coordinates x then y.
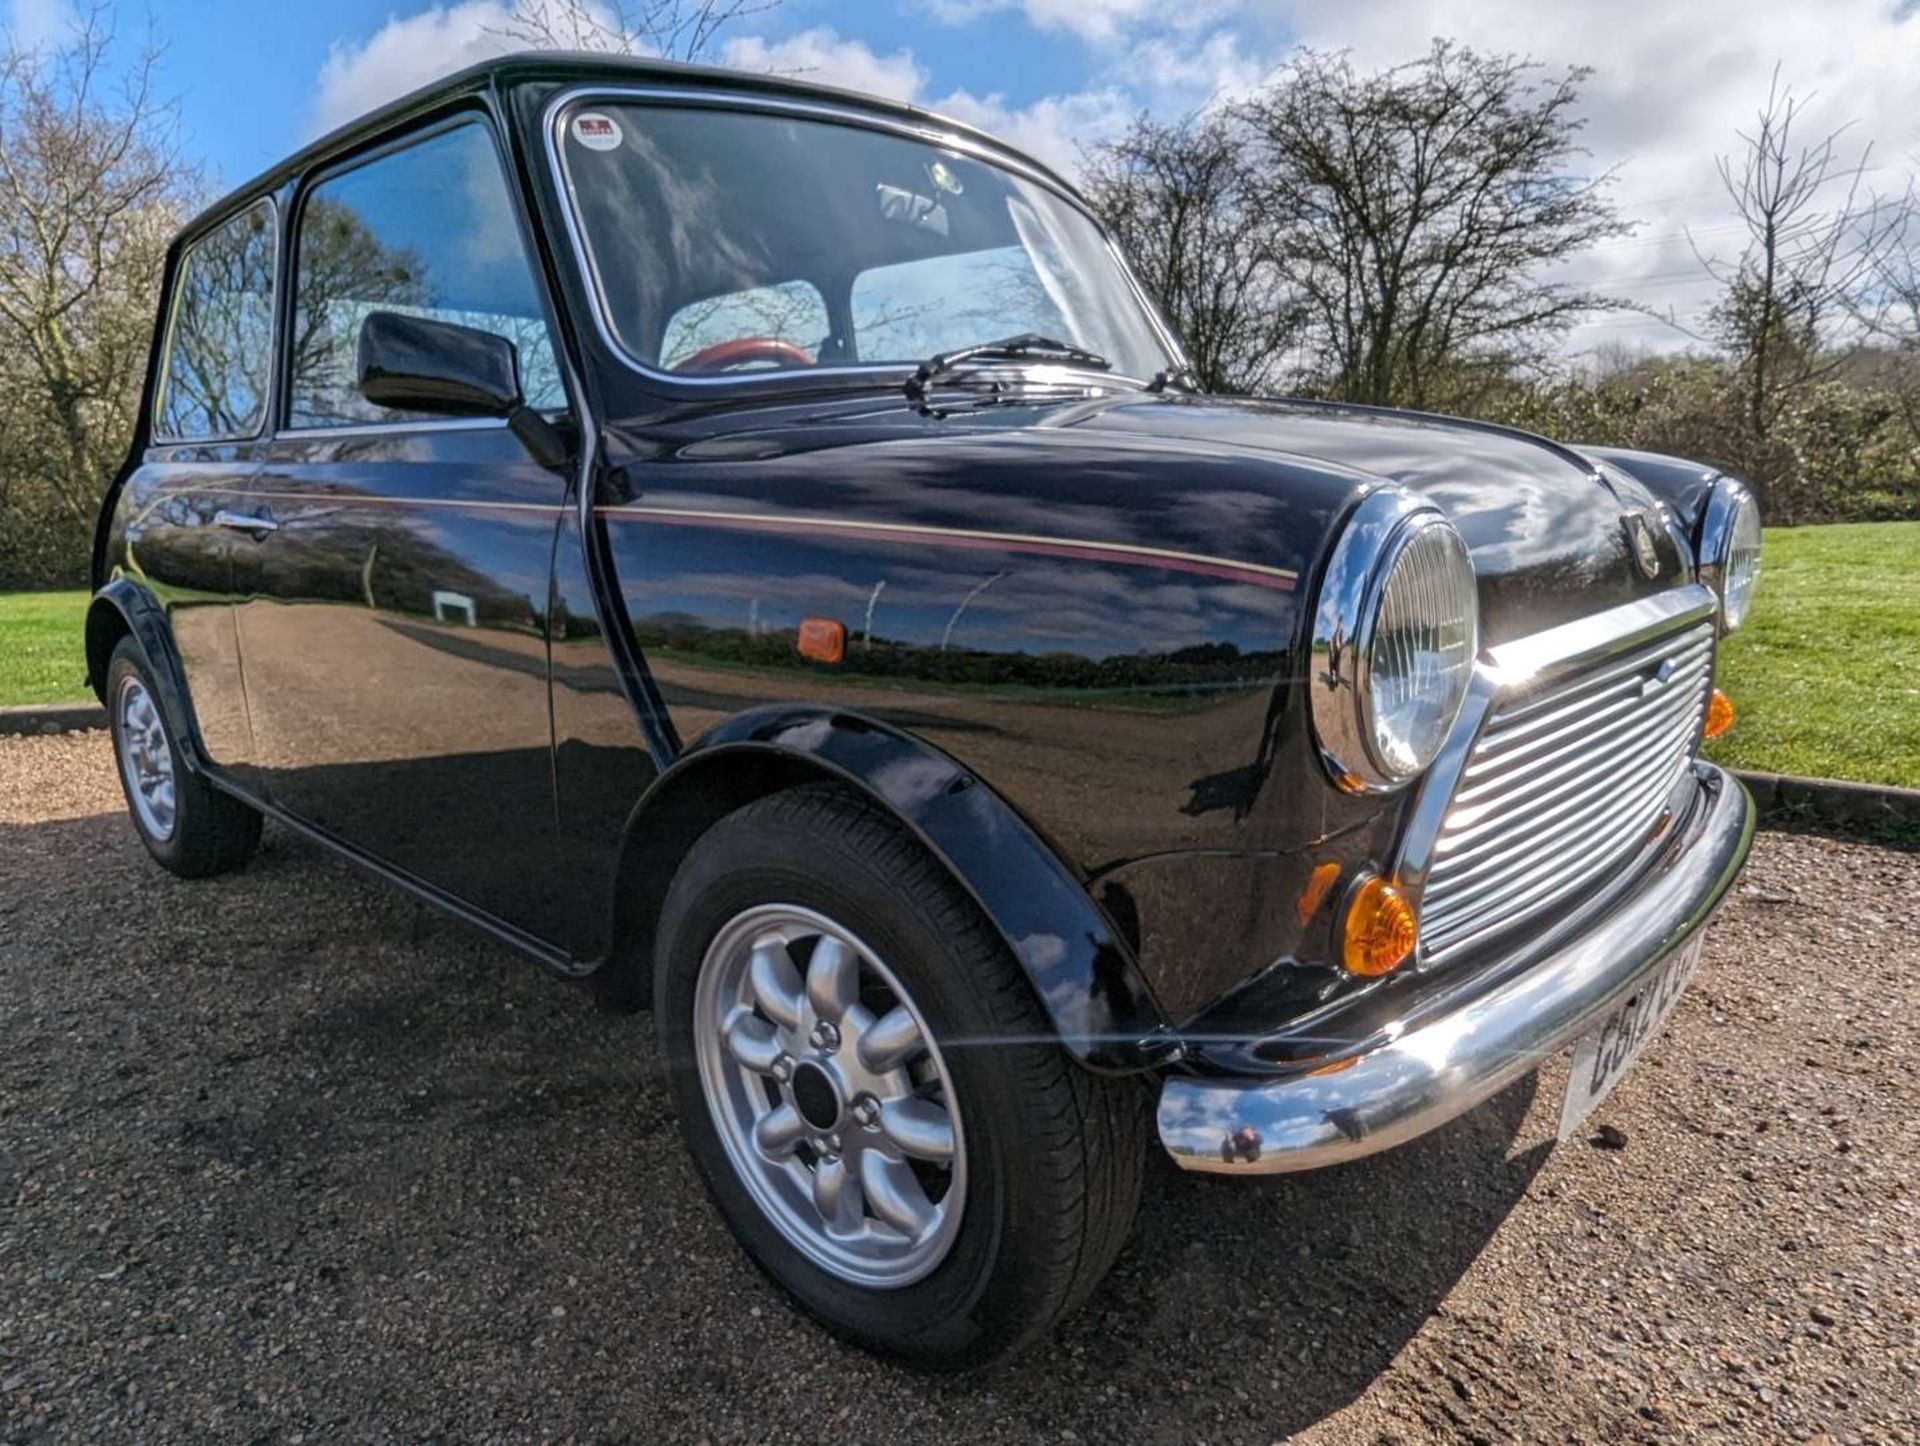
{"type": "Point", "coordinates": [220, 336]}
{"type": "Point", "coordinates": [430, 231]}
{"type": "Point", "coordinates": [917, 308]}
{"type": "Point", "coordinates": [793, 312]}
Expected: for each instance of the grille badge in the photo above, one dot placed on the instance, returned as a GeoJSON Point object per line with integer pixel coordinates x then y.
{"type": "Point", "coordinates": [1646, 555]}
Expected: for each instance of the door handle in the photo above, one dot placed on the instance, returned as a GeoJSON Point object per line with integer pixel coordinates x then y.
{"type": "Point", "coordinates": [241, 522]}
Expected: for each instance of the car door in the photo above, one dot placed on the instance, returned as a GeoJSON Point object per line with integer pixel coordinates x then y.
{"type": "Point", "coordinates": [394, 627]}
{"type": "Point", "coordinates": [209, 412]}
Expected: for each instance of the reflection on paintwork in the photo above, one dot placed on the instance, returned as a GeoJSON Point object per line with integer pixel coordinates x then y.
{"type": "Point", "coordinates": [394, 628]}
{"type": "Point", "coordinates": [1058, 617]}
{"type": "Point", "coordinates": [1138, 713]}
{"type": "Point", "coordinates": [602, 764]}
{"type": "Point", "coordinates": [1541, 523]}
{"type": "Point", "coordinates": [1091, 605]}
{"type": "Point", "coordinates": [1085, 975]}
{"type": "Point", "coordinates": [1051, 677]}
{"type": "Point", "coordinates": [166, 537]}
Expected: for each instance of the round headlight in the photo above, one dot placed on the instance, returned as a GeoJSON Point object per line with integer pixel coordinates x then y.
{"type": "Point", "coordinates": [1730, 549]}
{"type": "Point", "coordinates": [1396, 629]}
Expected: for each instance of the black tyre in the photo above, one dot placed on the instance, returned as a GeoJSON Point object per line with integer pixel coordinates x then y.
{"type": "Point", "coordinates": [186, 823]}
{"type": "Point", "coordinates": [870, 1089]}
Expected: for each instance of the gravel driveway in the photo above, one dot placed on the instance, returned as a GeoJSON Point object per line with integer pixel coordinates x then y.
{"type": "Point", "coordinates": [287, 1157]}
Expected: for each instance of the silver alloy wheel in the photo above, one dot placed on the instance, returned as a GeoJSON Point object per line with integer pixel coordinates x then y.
{"type": "Point", "coordinates": [830, 1096]}
{"type": "Point", "coordinates": [146, 758]}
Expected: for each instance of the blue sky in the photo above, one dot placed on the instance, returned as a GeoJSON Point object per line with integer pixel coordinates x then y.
{"type": "Point", "coordinates": [1672, 84]}
{"type": "Point", "coordinates": [240, 117]}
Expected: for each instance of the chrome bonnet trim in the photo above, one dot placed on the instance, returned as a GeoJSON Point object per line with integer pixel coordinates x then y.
{"type": "Point", "coordinates": [1437, 1070]}
{"type": "Point", "coordinates": [1539, 659]}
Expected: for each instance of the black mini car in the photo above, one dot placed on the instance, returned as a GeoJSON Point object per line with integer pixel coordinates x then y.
{"type": "Point", "coordinates": [753, 549]}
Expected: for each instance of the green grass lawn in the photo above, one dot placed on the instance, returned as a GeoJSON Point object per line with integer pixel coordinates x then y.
{"type": "Point", "coordinates": [1824, 677]}
{"type": "Point", "coordinates": [42, 652]}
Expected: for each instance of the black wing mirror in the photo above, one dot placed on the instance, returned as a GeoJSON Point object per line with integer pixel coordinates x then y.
{"type": "Point", "coordinates": [420, 365]}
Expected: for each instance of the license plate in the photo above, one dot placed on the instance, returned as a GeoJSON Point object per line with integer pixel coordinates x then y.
{"type": "Point", "coordinates": [1604, 1054]}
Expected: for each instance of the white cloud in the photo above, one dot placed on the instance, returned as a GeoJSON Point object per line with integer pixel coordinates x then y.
{"type": "Point", "coordinates": [37, 24]}
{"type": "Point", "coordinates": [1051, 128]}
{"type": "Point", "coordinates": [823, 56]}
{"type": "Point", "coordinates": [1173, 73]}
{"type": "Point", "coordinates": [1671, 85]}
{"type": "Point", "coordinates": [410, 51]}
{"type": "Point", "coordinates": [1054, 128]}
{"type": "Point", "coordinates": [1098, 21]}
{"type": "Point", "coordinates": [406, 53]}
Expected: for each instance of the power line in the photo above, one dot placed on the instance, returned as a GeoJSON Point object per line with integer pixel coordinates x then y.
{"type": "Point", "coordinates": [1614, 323]}
{"type": "Point", "coordinates": [1665, 278]}
{"type": "Point", "coordinates": [1846, 175]}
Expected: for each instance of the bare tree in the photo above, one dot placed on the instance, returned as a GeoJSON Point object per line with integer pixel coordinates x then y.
{"type": "Point", "coordinates": [1183, 204]}
{"type": "Point", "coordinates": [221, 330]}
{"type": "Point", "coordinates": [1807, 266]}
{"type": "Point", "coordinates": [1892, 310]}
{"type": "Point", "coordinates": [345, 271]}
{"type": "Point", "coordinates": [676, 29]}
{"type": "Point", "coordinates": [1891, 314]}
{"type": "Point", "coordinates": [789, 311]}
{"type": "Point", "coordinates": [91, 189]}
{"type": "Point", "coordinates": [1416, 211]}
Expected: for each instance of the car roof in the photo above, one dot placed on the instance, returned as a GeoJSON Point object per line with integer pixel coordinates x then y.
{"type": "Point", "coordinates": [581, 67]}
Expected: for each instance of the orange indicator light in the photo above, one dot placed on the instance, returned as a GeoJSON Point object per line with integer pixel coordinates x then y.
{"type": "Point", "coordinates": [1719, 714]}
{"type": "Point", "coordinates": [1380, 930]}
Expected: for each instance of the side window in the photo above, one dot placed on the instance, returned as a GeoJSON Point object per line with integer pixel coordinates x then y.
{"type": "Point", "coordinates": [428, 230]}
{"type": "Point", "coordinates": [220, 338]}
{"type": "Point", "coordinates": [792, 312]}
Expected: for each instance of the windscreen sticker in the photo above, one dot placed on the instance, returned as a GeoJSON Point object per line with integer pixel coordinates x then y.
{"type": "Point", "coordinates": [597, 132]}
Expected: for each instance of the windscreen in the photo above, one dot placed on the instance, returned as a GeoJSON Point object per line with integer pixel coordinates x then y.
{"type": "Point", "coordinates": [744, 241]}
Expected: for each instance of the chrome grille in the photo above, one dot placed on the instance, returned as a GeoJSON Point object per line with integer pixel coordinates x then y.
{"type": "Point", "coordinates": [1560, 784]}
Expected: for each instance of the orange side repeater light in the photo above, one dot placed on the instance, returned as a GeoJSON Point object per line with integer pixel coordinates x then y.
{"type": "Point", "coordinates": [1719, 714]}
{"type": "Point", "coordinates": [822, 639]}
{"type": "Point", "coordinates": [1380, 930]}
{"type": "Point", "coordinates": [1318, 882]}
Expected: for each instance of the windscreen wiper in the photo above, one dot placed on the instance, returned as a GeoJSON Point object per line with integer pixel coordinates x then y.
{"type": "Point", "coordinates": [1011, 348]}
{"type": "Point", "coordinates": [1180, 375]}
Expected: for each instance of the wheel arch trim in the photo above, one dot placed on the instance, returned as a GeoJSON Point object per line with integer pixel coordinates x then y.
{"type": "Point", "coordinates": [124, 608]}
{"type": "Point", "coordinates": [1083, 972]}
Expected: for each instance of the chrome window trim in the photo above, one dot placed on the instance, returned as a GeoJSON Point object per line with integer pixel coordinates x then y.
{"type": "Point", "coordinates": [1724, 501]}
{"type": "Point", "coordinates": [930, 132]}
{"type": "Point", "coordinates": [157, 438]}
{"type": "Point", "coordinates": [463, 112]}
{"type": "Point", "coordinates": [1380, 528]}
{"type": "Point", "coordinates": [376, 429]}
{"type": "Point", "coordinates": [1515, 669]}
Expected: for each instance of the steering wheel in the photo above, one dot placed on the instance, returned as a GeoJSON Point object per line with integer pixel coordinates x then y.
{"type": "Point", "coordinates": [743, 351]}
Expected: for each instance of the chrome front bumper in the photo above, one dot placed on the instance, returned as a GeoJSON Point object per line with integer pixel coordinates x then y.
{"type": "Point", "coordinates": [1440, 1068]}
